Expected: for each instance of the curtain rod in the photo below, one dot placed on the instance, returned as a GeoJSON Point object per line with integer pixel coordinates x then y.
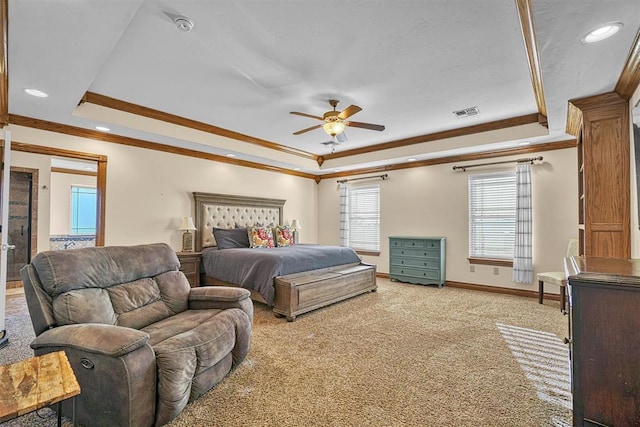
{"type": "Point", "coordinates": [530, 160]}
{"type": "Point", "coordinates": [385, 176]}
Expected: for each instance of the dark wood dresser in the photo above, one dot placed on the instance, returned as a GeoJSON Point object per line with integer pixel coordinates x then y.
{"type": "Point", "coordinates": [604, 327]}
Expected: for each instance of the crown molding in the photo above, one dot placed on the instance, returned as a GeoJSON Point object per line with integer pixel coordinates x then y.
{"type": "Point", "coordinates": [549, 146]}
{"type": "Point", "coordinates": [127, 107]}
{"type": "Point", "coordinates": [117, 139]}
{"type": "Point", "coordinates": [525, 13]}
{"type": "Point", "coordinates": [451, 133]}
{"type": "Point", "coordinates": [140, 143]}
{"type": "Point", "coordinates": [630, 76]}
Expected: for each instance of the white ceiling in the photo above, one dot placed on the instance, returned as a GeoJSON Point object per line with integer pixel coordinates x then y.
{"type": "Point", "coordinates": [247, 64]}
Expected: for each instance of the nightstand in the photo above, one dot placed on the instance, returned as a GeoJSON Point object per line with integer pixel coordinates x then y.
{"type": "Point", "coordinates": [190, 266]}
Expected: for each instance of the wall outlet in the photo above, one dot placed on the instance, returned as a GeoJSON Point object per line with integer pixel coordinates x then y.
{"type": "Point", "coordinates": [472, 268]}
{"type": "Point", "coordinates": [496, 271]}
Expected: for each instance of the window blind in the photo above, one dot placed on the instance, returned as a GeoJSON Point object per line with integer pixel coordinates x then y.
{"type": "Point", "coordinates": [492, 215]}
{"type": "Point", "coordinates": [364, 217]}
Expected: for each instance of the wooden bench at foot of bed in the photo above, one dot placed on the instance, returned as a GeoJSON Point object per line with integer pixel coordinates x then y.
{"type": "Point", "coordinates": [302, 292]}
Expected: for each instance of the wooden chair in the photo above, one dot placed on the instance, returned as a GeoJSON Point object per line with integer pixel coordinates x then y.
{"type": "Point", "coordinates": [557, 277]}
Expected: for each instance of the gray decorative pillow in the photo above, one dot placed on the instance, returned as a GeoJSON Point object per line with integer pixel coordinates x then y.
{"type": "Point", "coordinates": [231, 238]}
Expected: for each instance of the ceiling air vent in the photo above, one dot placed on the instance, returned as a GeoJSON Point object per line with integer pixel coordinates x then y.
{"type": "Point", "coordinates": [471, 111]}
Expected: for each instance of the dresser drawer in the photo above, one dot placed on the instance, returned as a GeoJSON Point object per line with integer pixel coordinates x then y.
{"type": "Point", "coordinates": [189, 267]}
{"type": "Point", "coordinates": [415, 272]}
{"type": "Point", "coordinates": [416, 262]}
{"type": "Point", "coordinates": [417, 253]}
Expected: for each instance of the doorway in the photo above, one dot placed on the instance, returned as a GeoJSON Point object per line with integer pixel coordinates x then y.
{"type": "Point", "coordinates": [23, 220]}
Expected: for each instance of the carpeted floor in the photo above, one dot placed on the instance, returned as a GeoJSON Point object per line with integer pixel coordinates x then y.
{"type": "Point", "coordinates": [406, 355]}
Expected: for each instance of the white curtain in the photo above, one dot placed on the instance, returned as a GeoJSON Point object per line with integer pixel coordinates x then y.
{"type": "Point", "coordinates": [344, 214]}
{"type": "Point", "coordinates": [522, 248]}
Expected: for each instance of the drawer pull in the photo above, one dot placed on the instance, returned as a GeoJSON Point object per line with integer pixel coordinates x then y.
{"type": "Point", "coordinates": [413, 243]}
{"type": "Point", "coordinates": [401, 262]}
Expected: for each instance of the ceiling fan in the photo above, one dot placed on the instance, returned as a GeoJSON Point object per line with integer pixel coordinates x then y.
{"type": "Point", "coordinates": [336, 121]}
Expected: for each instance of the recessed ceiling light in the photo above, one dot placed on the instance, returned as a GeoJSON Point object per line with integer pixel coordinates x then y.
{"type": "Point", "coordinates": [524, 143]}
{"type": "Point", "coordinates": [231, 155]}
{"type": "Point", "coordinates": [102, 128]}
{"type": "Point", "coordinates": [88, 168]}
{"type": "Point", "coordinates": [337, 170]}
{"type": "Point", "coordinates": [412, 159]}
{"type": "Point", "coordinates": [602, 32]}
{"type": "Point", "coordinates": [296, 169]}
{"type": "Point", "coordinates": [36, 93]}
{"type": "Point", "coordinates": [183, 23]}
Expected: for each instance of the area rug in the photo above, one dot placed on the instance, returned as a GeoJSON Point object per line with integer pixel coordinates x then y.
{"type": "Point", "coordinates": [406, 355]}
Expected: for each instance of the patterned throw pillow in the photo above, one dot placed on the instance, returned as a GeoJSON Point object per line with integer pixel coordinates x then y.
{"type": "Point", "coordinates": [283, 235]}
{"type": "Point", "coordinates": [260, 237]}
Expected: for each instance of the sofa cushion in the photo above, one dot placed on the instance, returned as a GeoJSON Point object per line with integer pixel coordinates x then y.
{"type": "Point", "coordinates": [135, 304]}
{"type": "Point", "coordinates": [145, 301]}
{"type": "Point", "coordinates": [84, 306]}
{"type": "Point", "coordinates": [64, 271]}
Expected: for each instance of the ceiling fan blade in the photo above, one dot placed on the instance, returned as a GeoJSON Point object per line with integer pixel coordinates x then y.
{"type": "Point", "coordinates": [349, 111]}
{"type": "Point", "coordinates": [307, 129]}
{"type": "Point", "coordinates": [370, 126]}
{"type": "Point", "coordinates": [306, 115]}
{"type": "Point", "coordinates": [341, 137]}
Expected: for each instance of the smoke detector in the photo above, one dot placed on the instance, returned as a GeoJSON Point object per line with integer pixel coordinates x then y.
{"type": "Point", "coordinates": [183, 23]}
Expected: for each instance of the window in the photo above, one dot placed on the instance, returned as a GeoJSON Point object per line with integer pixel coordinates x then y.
{"type": "Point", "coordinates": [83, 210]}
{"type": "Point", "coordinates": [492, 215]}
{"type": "Point", "coordinates": [364, 218]}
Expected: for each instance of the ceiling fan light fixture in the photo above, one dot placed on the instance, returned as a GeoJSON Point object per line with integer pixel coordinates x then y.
{"type": "Point", "coordinates": [334, 128]}
{"type": "Point", "coordinates": [602, 32]}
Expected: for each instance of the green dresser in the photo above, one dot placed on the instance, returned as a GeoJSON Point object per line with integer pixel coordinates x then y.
{"type": "Point", "coordinates": [418, 260]}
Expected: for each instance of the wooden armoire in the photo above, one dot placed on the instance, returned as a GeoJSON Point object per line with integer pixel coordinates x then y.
{"type": "Point", "coordinates": [601, 126]}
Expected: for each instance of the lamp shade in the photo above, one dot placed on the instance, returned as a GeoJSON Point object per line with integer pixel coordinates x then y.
{"type": "Point", "coordinates": [334, 128]}
{"type": "Point", "coordinates": [187, 224]}
{"type": "Point", "coordinates": [295, 225]}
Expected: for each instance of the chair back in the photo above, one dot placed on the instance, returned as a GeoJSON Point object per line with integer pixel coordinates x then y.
{"type": "Point", "coordinates": [130, 286]}
{"type": "Point", "coordinates": [572, 249]}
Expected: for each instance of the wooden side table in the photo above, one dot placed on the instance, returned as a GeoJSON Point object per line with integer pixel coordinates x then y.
{"type": "Point", "coordinates": [190, 266]}
{"type": "Point", "coordinates": [35, 383]}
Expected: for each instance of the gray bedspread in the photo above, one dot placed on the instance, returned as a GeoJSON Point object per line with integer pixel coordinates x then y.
{"type": "Point", "coordinates": [256, 268]}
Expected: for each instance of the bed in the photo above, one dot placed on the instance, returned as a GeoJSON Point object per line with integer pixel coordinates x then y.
{"type": "Point", "coordinates": [292, 280]}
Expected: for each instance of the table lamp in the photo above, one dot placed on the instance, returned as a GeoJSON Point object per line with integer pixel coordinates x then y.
{"type": "Point", "coordinates": [187, 238]}
{"type": "Point", "coordinates": [295, 226]}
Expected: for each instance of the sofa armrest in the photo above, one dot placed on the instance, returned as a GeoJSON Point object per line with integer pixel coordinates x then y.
{"type": "Point", "coordinates": [221, 297]}
{"type": "Point", "coordinates": [108, 340]}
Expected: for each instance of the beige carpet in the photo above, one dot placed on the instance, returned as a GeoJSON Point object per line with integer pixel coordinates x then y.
{"type": "Point", "coordinates": [406, 355]}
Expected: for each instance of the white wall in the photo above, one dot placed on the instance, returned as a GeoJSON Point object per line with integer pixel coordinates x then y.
{"type": "Point", "coordinates": [60, 190]}
{"type": "Point", "coordinates": [432, 201]}
{"type": "Point", "coordinates": [148, 192]}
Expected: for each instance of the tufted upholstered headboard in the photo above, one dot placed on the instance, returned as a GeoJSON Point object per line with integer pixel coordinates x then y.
{"type": "Point", "coordinates": [225, 211]}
